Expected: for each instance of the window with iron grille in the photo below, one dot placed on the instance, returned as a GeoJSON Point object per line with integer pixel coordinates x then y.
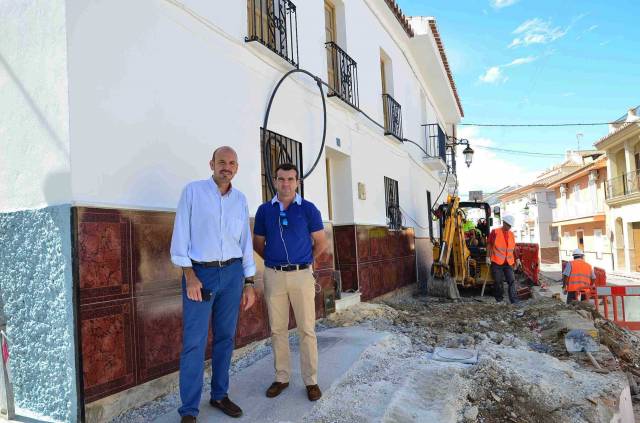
{"type": "Point", "coordinates": [392, 203]}
{"type": "Point", "coordinates": [281, 150]}
{"type": "Point", "coordinates": [274, 24]}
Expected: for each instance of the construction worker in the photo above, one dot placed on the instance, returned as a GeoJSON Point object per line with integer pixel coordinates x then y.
{"type": "Point", "coordinates": [577, 277]}
{"type": "Point", "coordinates": [501, 246]}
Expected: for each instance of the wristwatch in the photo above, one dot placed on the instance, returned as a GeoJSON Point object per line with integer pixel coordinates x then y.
{"type": "Point", "coordinates": [248, 281]}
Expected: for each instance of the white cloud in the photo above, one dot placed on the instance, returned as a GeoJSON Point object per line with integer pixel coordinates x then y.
{"type": "Point", "coordinates": [521, 61]}
{"type": "Point", "coordinates": [499, 4]}
{"type": "Point", "coordinates": [537, 31]}
{"type": "Point", "coordinates": [495, 75]}
{"type": "Point", "coordinates": [488, 172]}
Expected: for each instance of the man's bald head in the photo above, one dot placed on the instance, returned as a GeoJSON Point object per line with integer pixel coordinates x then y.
{"type": "Point", "coordinates": [225, 148]}
{"type": "Point", "coordinates": [224, 165]}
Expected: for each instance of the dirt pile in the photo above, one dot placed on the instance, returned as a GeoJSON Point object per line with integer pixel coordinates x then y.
{"type": "Point", "coordinates": [525, 373]}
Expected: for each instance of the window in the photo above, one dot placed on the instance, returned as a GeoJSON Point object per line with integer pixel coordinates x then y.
{"type": "Point", "coordinates": [342, 70]}
{"type": "Point", "coordinates": [282, 150]}
{"type": "Point", "coordinates": [553, 231]}
{"type": "Point", "coordinates": [576, 193]}
{"type": "Point", "coordinates": [274, 24]}
{"type": "Point", "coordinates": [392, 203]}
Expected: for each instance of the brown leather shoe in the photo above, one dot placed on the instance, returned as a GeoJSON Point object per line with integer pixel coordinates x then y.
{"type": "Point", "coordinates": [227, 407]}
{"type": "Point", "coordinates": [276, 388]}
{"type": "Point", "coordinates": [188, 419]}
{"type": "Point", "coordinates": [313, 392]}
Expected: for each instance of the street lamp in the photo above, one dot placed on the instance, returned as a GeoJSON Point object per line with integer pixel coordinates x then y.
{"type": "Point", "coordinates": [467, 152]}
{"type": "Point", "coordinates": [468, 155]}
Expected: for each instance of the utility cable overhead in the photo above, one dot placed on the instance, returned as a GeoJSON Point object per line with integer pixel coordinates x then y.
{"type": "Point", "coordinates": [522, 152]}
{"type": "Point", "coordinates": [535, 125]}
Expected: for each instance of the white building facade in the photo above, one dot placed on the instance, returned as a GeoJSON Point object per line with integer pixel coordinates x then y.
{"type": "Point", "coordinates": [114, 106]}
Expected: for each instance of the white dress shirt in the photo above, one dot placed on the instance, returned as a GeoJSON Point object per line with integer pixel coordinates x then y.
{"type": "Point", "coordinates": [210, 226]}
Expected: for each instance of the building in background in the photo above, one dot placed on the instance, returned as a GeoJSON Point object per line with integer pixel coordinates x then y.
{"type": "Point", "coordinates": [532, 205]}
{"type": "Point", "coordinates": [622, 148]}
{"type": "Point", "coordinates": [580, 213]}
{"type": "Point", "coordinates": [111, 117]}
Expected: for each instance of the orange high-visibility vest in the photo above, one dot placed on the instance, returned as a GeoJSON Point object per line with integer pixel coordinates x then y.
{"type": "Point", "coordinates": [503, 249]}
{"type": "Point", "coordinates": [580, 278]}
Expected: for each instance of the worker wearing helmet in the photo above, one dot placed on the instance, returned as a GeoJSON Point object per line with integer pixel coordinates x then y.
{"type": "Point", "coordinates": [577, 276]}
{"type": "Point", "coordinates": [501, 246]}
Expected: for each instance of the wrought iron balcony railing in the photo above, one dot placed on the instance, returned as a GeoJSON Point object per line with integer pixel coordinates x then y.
{"type": "Point", "coordinates": [274, 23]}
{"type": "Point", "coordinates": [436, 141]}
{"type": "Point", "coordinates": [392, 117]}
{"type": "Point", "coordinates": [343, 74]}
{"type": "Point", "coordinates": [625, 184]}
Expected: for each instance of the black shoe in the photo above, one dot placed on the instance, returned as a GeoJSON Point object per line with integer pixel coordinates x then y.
{"type": "Point", "coordinates": [188, 419]}
{"type": "Point", "coordinates": [276, 388]}
{"type": "Point", "coordinates": [227, 406]}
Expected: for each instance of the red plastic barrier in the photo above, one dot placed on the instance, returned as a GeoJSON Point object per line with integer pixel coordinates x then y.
{"type": "Point", "coordinates": [611, 295]}
{"type": "Point", "coordinates": [530, 259]}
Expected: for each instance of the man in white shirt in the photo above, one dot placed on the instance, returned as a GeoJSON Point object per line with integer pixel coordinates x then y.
{"type": "Point", "coordinates": [212, 243]}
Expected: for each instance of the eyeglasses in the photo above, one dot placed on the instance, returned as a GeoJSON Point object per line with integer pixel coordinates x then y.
{"type": "Point", "coordinates": [283, 218]}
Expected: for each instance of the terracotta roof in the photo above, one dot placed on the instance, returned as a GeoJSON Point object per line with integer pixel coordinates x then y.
{"type": "Point", "coordinates": [599, 163]}
{"type": "Point", "coordinates": [400, 17]}
{"type": "Point", "coordinates": [445, 62]}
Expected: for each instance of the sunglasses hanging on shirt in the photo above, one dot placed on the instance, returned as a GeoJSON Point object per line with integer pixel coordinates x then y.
{"type": "Point", "coordinates": [283, 219]}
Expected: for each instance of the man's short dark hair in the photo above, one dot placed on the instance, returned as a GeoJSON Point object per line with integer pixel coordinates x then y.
{"type": "Point", "coordinates": [286, 167]}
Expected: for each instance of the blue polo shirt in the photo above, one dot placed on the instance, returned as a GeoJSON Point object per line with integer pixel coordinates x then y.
{"type": "Point", "coordinates": [303, 218]}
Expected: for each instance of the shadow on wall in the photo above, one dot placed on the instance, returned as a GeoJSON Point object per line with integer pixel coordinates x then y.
{"type": "Point", "coordinates": [44, 122]}
{"type": "Point", "coordinates": [56, 188]}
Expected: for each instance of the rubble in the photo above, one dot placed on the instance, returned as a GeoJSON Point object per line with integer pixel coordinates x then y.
{"type": "Point", "coordinates": [524, 374]}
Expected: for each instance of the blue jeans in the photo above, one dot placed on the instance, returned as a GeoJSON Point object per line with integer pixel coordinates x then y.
{"type": "Point", "coordinates": [226, 285]}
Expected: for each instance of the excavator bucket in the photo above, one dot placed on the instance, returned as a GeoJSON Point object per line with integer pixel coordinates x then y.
{"type": "Point", "coordinates": [443, 287]}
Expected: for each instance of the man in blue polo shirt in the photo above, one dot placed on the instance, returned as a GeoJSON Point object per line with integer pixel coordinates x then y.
{"type": "Point", "coordinates": [288, 234]}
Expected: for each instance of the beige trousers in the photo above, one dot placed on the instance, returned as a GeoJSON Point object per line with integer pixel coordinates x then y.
{"type": "Point", "coordinates": [299, 288]}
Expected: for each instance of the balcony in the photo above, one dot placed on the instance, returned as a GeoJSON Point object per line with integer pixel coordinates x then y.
{"type": "Point", "coordinates": [274, 24]}
{"type": "Point", "coordinates": [435, 146]}
{"type": "Point", "coordinates": [392, 117]}
{"type": "Point", "coordinates": [624, 185]}
{"type": "Point", "coordinates": [343, 75]}
{"type": "Point", "coordinates": [578, 210]}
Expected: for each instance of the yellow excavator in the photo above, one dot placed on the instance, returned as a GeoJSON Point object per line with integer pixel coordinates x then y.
{"type": "Point", "coordinates": [459, 256]}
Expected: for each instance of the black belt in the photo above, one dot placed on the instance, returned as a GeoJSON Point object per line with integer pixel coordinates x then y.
{"type": "Point", "coordinates": [215, 263]}
{"type": "Point", "coordinates": [290, 267]}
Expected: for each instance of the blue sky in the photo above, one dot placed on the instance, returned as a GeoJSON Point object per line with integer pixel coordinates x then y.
{"type": "Point", "coordinates": [536, 61]}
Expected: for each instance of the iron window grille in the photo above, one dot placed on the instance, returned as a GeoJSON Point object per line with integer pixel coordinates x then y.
{"type": "Point", "coordinates": [392, 203]}
{"type": "Point", "coordinates": [392, 117]}
{"type": "Point", "coordinates": [436, 141]}
{"type": "Point", "coordinates": [281, 150]}
{"type": "Point", "coordinates": [344, 78]}
{"type": "Point", "coordinates": [274, 24]}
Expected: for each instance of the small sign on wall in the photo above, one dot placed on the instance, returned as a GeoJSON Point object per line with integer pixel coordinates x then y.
{"type": "Point", "coordinates": [362, 191]}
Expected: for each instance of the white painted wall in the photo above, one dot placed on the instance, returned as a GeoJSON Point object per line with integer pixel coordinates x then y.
{"type": "Point", "coordinates": [150, 102]}
{"type": "Point", "coordinates": [628, 213]}
{"type": "Point", "coordinates": [34, 129]}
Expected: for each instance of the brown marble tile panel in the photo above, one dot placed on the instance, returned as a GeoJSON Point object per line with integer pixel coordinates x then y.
{"type": "Point", "coordinates": [108, 350]}
{"type": "Point", "coordinates": [378, 238]}
{"type": "Point", "coordinates": [103, 255]}
{"type": "Point", "coordinates": [326, 259]}
{"type": "Point", "coordinates": [364, 247]}
{"type": "Point", "coordinates": [253, 323]}
{"type": "Point", "coordinates": [349, 277]}
{"type": "Point", "coordinates": [345, 244]}
{"type": "Point", "coordinates": [151, 241]}
{"type": "Point", "coordinates": [158, 334]}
